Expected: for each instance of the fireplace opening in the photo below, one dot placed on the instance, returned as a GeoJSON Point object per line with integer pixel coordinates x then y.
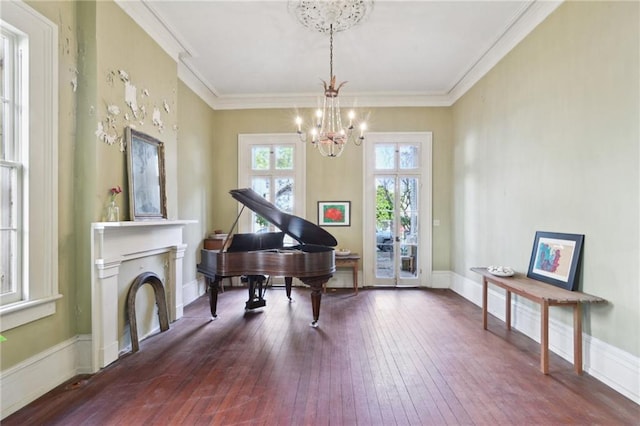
{"type": "Point", "coordinates": [161, 302]}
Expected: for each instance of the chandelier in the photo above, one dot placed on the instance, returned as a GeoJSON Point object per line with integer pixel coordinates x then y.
{"type": "Point", "coordinates": [330, 16]}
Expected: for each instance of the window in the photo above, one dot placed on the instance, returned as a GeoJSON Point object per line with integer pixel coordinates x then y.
{"type": "Point", "coordinates": [11, 170]}
{"type": "Point", "coordinates": [272, 165]}
{"type": "Point", "coordinates": [28, 165]}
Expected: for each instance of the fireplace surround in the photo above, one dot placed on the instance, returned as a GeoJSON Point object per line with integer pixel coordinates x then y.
{"type": "Point", "coordinates": [112, 244]}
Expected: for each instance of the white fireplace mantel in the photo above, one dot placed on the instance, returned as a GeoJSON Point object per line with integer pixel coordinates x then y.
{"type": "Point", "coordinates": [113, 243]}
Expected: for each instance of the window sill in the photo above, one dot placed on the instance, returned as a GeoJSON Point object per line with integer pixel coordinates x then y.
{"type": "Point", "coordinates": [21, 313]}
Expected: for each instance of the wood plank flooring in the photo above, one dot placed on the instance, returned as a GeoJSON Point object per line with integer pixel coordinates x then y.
{"type": "Point", "coordinates": [383, 357]}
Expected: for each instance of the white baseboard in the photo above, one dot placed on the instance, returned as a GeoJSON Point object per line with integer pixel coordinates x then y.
{"type": "Point", "coordinates": [32, 378]}
{"type": "Point", "coordinates": [192, 290]}
{"type": "Point", "coordinates": [612, 366]}
{"type": "Point", "coordinates": [440, 279]}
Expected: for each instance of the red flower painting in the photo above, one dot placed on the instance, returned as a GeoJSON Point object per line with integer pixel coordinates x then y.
{"type": "Point", "coordinates": [334, 214]}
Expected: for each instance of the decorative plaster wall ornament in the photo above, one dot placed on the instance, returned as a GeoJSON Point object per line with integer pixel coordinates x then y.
{"type": "Point", "coordinates": [113, 110]}
{"type": "Point", "coordinates": [157, 121]}
{"type": "Point", "coordinates": [116, 117]}
{"type": "Point", "coordinates": [74, 78]}
{"type": "Point", "coordinates": [124, 76]}
{"type": "Point", "coordinates": [130, 96]}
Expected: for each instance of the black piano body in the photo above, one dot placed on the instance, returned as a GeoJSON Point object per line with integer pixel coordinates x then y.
{"type": "Point", "coordinates": [263, 254]}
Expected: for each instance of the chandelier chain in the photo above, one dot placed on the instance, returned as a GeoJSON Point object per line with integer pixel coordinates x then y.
{"type": "Point", "coordinates": [331, 52]}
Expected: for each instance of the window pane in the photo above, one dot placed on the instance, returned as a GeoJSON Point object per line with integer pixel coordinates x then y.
{"type": "Point", "coordinates": [384, 157]}
{"type": "Point", "coordinates": [6, 78]}
{"type": "Point", "coordinates": [8, 235]}
{"type": "Point", "coordinates": [260, 158]}
{"type": "Point", "coordinates": [409, 157]}
{"type": "Point", "coordinates": [7, 263]}
{"type": "Point", "coordinates": [8, 184]}
{"type": "Point", "coordinates": [284, 157]}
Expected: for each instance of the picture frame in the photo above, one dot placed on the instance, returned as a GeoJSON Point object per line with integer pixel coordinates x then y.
{"type": "Point", "coordinates": [145, 165]}
{"type": "Point", "coordinates": [334, 213]}
{"type": "Point", "coordinates": [555, 259]}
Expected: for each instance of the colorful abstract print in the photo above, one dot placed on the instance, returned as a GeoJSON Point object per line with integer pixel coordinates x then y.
{"type": "Point", "coordinates": [548, 258]}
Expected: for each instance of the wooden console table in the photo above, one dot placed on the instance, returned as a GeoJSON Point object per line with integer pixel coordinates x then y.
{"type": "Point", "coordinates": [350, 261]}
{"type": "Point", "coordinates": [546, 295]}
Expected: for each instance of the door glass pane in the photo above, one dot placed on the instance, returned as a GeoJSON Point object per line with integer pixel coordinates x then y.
{"type": "Point", "coordinates": [385, 157]}
{"type": "Point", "coordinates": [284, 194]}
{"type": "Point", "coordinates": [408, 232]}
{"type": "Point", "coordinates": [260, 158]}
{"type": "Point", "coordinates": [262, 186]}
{"type": "Point", "coordinates": [385, 195]}
{"type": "Point", "coordinates": [284, 157]}
{"type": "Point", "coordinates": [409, 157]}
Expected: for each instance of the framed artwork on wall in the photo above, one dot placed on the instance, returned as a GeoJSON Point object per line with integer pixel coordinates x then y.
{"type": "Point", "coordinates": [555, 259]}
{"type": "Point", "coordinates": [145, 164]}
{"type": "Point", "coordinates": [334, 213]}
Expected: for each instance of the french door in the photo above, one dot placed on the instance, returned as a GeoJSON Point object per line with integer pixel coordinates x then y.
{"type": "Point", "coordinates": [398, 209]}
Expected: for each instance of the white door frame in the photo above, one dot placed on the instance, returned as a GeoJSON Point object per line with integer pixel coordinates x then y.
{"type": "Point", "coordinates": [425, 139]}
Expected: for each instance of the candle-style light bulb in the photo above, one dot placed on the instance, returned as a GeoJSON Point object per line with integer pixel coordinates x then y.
{"type": "Point", "coordinates": [299, 123]}
{"type": "Point", "coordinates": [319, 117]}
{"type": "Point", "coordinates": [363, 127]}
{"type": "Point", "coordinates": [352, 115]}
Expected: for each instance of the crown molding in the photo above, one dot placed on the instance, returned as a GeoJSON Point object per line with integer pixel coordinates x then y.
{"type": "Point", "coordinates": [521, 27]}
{"type": "Point", "coordinates": [141, 13]}
{"type": "Point", "coordinates": [144, 16]}
{"type": "Point", "coordinates": [313, 100]}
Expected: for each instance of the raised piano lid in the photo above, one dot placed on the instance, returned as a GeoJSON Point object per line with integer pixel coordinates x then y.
{"type": "Point", "coordinates": [296, 227]}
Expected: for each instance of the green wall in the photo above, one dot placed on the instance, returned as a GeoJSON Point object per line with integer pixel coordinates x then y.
{"type": "Point", "coordinates": [196, 179]}
{"type": "Point", "coordinates": [96, 39]}
{"type": "Point", "coordinates": [549, 141]}
{"type": "Point", "coordinates": [338, 178]}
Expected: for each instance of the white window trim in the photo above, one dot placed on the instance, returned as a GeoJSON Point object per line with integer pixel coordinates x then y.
{"type": "Point", "coordinates": [41, 228]}
{"type": "Point", "coordinates": [245, 141]}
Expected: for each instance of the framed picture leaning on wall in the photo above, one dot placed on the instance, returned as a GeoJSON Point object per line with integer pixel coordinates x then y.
{"type": "Point", "coordinates": [555, 259]}
{"type": "Point", "coordinates": [145, 164]}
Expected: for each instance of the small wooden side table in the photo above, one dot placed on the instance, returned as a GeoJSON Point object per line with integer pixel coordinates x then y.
{"type": "Point", "coordinates": [350, 261]}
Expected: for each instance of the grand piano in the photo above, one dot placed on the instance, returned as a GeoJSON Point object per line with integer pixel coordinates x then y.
{"type": "Point", "coordinates": [259, 255]}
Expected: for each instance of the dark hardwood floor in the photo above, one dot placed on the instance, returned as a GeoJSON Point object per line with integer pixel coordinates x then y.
{"type": "Point", "coordinates": [383, 357]}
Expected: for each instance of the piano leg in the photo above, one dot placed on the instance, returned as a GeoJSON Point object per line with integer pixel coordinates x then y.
{"type": "Point", "coordinates": [316, 284]}
{"type": "Point", "coordinates": [316, 297]}
{"type": "Point", "coordinates": [214, 286]}
{"type": "Point", "coordinates": [287, 285]}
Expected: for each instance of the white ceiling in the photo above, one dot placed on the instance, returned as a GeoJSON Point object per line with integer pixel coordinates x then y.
{"type": "Point", "coordinates": [246, 54]}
